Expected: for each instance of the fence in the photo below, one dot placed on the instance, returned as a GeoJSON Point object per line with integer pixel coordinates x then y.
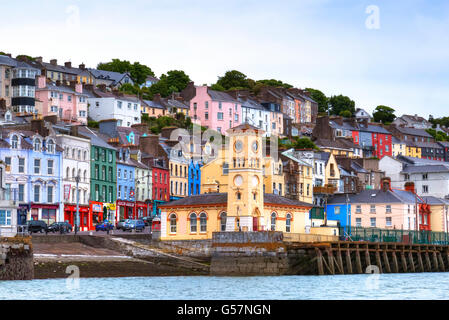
{"type": "Point", "coordinates": [394, 235]}
{"type": "Point", "coordinates": [302, 237]}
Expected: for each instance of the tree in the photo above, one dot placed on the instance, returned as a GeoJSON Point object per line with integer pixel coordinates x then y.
{"type": "Point", "coordinates": [341, 103]}
{"type": "Point", "coordinates": [304, 143]}
{"type": "Point", "coordinates": [129, 88]}
{"type": "Point", "coordinates": [138, 72]}
{"type": "Point", "coordinates": [233, 79]}
{"type": "Point", "coordinates": [217, 87]}
{"type": "Point", "coordinates": [384, 114]}
{"type": "Point", "coordinates": [320, 98]}
{"type": "Point", "coordinates": [275, 83]}
{"type": "Point", "coordinates": [346, 114]}
{"type": "Point", "coordinates": [173, 81]}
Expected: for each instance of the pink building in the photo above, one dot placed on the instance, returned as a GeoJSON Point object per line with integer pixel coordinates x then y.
{"type": "Point", "coordinates": [214, 109]}
{"type": "Point", "coordinates": [67, 102]}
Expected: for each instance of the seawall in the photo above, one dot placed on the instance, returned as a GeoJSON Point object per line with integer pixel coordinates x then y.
{"type": "Point", "coordinates": [16, 259]}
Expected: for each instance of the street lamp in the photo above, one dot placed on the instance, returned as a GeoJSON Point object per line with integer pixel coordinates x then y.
{"type": "Point", "coordinates": [77, 219]}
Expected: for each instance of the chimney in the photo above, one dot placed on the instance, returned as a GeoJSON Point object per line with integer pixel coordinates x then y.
{"type": "Point", "coordinates": [410, 187]}
{"type": "Point", "coordinates": [157, 98]}
{"type": "Point", "coordinates": [166, 132]}
{"type": "Point", "coordinates": [108, 127]}
{"type": "Point", "coordinates": [82, 66]}
{"type": "Point", "coordinates": [58, 83]}
{"type": "Point", "coordinates": [54, 62]}
{"type": "Point", "coordinates": [37, 125]}
{"type": "Point", "coordinates": [141, 128]}
{"type": "Point", "coordinates": [38, 59]}
{"type": "Point", "coordinates": [89, 87]}
{"type": "Point", "coordinates": [53, 119]}
{"type": "Point", "coordinates": [68, 64]}
{"type": "Point", "coordinates": [386, 184]}
{"type": "Point", "coordinates": [149, 144]}
{"type": "Point", "coordinates": [2, 104]}
{"type": "Point", "coordinates": [74, 131]}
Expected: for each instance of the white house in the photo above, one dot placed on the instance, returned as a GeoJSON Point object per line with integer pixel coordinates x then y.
{"type": "Point", "coordinates": [104, 105]}
{"type": "Point", "coordinates": [256, 114]}
{"type": "Point", "coordinates": [8, 207]}
{"type": "Point", "coordinates": [431, 177]}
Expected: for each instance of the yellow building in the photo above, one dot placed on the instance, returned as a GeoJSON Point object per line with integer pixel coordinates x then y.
{"type": "Point", "coordinates": [398, 147]}
{"type": "Point", "coordinates": [244, 206]}
{"type": "Point", "coordinates": [439, 209]}
{"type": "Point", "coordinates": [412, 151]}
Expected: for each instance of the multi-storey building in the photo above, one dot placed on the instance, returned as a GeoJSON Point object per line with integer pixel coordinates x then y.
{"type": "Point", "coordinates": [126, 206]}
{"type": "Point", "coordinates": [66, 73]}
{"type": "Point", "coordinates": [8, 207]}
{"type": "Point", "coordinates": [68, 103]}
{"type": "Point", "coordinates": [103, 186]}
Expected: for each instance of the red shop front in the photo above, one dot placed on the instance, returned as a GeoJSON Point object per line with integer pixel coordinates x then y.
{"type": "Point", "coordinates": [70, 216]}
{"type": "Point", "coordinates": [126, 210]}
{"type": "Point", "coordinates": [96, 211]}
{"type": "Point", "coordinates": [142, 209]}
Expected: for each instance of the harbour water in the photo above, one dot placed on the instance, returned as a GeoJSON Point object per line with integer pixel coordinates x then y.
{"type": "Point", "coordinates": [371, 287]}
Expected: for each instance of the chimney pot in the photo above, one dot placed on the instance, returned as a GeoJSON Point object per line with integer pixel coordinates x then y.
{"type": "Point", "coordinates": [68, 64]}
{"type": "Point", "coordinates": [54, 62]}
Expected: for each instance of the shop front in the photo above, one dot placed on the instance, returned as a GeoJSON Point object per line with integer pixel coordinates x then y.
{"type": "Point", "coordinates": [96, 211]}
{"type": "Point", "coordinates": [109, 210]}
{"type": "Point", "coordinates": [142, 209]}
{"type": "Point", "coordinates": [70, 216]}
{"type": "Point", "coordinates": [22, 213]}
{"type": "Point", "coordinates": [44, 212]}
{"type": "Point", "coordinates": [125, 210]}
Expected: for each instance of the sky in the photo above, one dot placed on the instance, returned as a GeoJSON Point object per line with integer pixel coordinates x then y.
{"type": "Point", "coordinates": [393, 53]}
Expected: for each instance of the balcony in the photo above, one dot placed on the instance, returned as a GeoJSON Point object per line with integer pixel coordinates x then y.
{"type": "Point", "coordinates": [324, 190]}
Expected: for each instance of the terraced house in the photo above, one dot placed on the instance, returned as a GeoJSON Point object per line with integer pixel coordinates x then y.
{"type": "Point", "coordinates": [103, 188]}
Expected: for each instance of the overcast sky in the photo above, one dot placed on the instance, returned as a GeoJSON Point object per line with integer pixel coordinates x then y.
{"type": "Point", "coordinates": [338, 46]}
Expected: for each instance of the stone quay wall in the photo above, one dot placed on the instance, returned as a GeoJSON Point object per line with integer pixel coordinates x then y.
{"type": "Point", "coordinates": [16, 259]}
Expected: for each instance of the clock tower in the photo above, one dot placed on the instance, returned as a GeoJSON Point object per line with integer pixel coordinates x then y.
{"type": "Point", "coordinates": [245, 179]}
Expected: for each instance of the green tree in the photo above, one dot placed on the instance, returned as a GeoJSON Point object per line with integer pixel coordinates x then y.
{"type": "Point", "coordinates": [138, 72]}
{"type": "Point", "coordinates": [304, 143]}
{"type": "Point", "coordinates": [275, 83]}
{"type": "Point", "coordinates": [233, 79]}
{"type": "Point", "coordinates": [346, 114]}
{"type": "Point", "coordinates": [320, 98]}
{"type": "Point", "coordinates": [341, 103]}
{"type": "Point", "coordinates": [129, 88]}
{"type": "Point", "coordinates": [173, 81]}
{"type": "Point", "coordinates": [384, 114]}
{"type": "Point", "coordinates": [217, 87]}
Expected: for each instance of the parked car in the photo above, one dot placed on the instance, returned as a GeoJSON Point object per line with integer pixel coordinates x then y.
{"type": "Point", "coordinates": [147, 221]}
{"type": "Point", "coordinates": [35, 226]}
{"type": "Point", "coordinates": [121, 223]}
{"type": "Point", "coordinates": [137, 225]}
{"type": "Point", "coordinates": [104, 226]}
{"type": "Point", "coordinates": [56, 227]}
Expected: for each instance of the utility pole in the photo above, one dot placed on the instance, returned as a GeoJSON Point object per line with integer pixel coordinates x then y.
{"type": "Point", "coordinates": [77, 219]}
{"type": "Point", "coordinates": [348, 219]}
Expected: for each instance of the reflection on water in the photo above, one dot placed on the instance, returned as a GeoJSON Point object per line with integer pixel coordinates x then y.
{"type": "Point", "coordinates": [383, 286]}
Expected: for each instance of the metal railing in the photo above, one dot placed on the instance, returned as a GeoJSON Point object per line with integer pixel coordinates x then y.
{"type": "Point", "coordinates": [395, 236]}
{"type": "Point", "coordinates": [303, 237]}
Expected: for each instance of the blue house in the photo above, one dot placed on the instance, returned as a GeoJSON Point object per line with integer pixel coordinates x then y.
{"type": "Point", "coordinates": [194, 180]}
{"type": "Point", "coordinates": [339, 209]}
{"type": "Point", "coordinates": [126, 186]}
{"type": "Point", "coordinates": [34, 174]}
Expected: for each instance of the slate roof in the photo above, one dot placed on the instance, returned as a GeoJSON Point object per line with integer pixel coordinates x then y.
{"type": "Point", "coordinates": [7, 61]}
{"type": "Point", "coordinates": [376, 196]}
{"type": "Point", "coordinates": [220, 96]}
{"type": "Point", "coordinates": [222, 198]}
{"type": "Point", "coordinates": [96, 138]}
{"type": "Point", "coordinates": [115, 77]}
{"type": "Point", "coordinates": [441, 168]}
{"type": "Point", "coordinates": [153, 104]}
{"type": "Point", "coordinates": [413, 131]}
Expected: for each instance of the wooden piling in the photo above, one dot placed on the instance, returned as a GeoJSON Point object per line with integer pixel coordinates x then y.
{"type": "Point", "coordinates": [420, 263]}
{"type": "Point", "coordinates": [435, 261]}
{"type": "Point", "coordinates": [340, 262]}
{"type": "Point", "coordinates": [440, 260]}
{"type": "Point", "coordinates": [348, 261]}
{"type": "Point", "coordinates": [330, 260]}
{"type": "Point", "coordinates": [367, 258]}
{"type": "Point", "coordinates": [411, 262]}
{"type": "Point", "coordinates": [319, 259]}
{"type": "Point", "coordinates": [386, 261]}
{"type": "Point", "coordinates": [378, 261]}
{"type": "Point", "coordinates": [358, 261]}
{"type": "Point", "coordinates": [404, 262]}
{"type": "Point", "coordinates": [428, 264]}
{"type": "Point", "coordinates": [395, 262]}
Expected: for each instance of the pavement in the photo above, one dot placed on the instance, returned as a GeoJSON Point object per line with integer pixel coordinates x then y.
{"type": "Point", "coordinates": [96, 233]}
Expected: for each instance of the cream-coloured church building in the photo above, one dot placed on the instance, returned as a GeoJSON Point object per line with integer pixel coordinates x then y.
{"type": "Point", "coordinates": [244, 207]}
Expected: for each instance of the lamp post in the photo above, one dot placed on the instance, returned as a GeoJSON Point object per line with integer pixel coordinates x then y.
{"type": "Point", "coordinates": [77, 219]}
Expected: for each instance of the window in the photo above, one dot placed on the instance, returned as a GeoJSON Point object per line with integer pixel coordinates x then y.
{"type": "Point", "coordinates": [37, 145]}
{"type": "Point", "coordinates": [119, 104]}
{"type": "Point", "coordinates": [388, 208]}
{"type": "Point", "coordinates": [172, 223]}
{"type": "Point", "coordinates": [372, 208]}
{"type": "Point", "coordinates": [207, 104]}
{"type": "Point", "coordinates": [373, 222]}
{"type": "Point", "coordinates": [220, 115]}
{"type": "Point", "coordinates": [37, 166]}
{"type": "Point", "coordinates": [50, 194]}
{"type": "Point", "coordinates": [193, 228]}
{"type": "Point", "coordinates": [5, 217]}
{"type": "Point", "coordinates": [37, 190]}
{"type": "Point", "coordinates": [425, 189]}
{"type": "Point", "coordinates": [219, 105]}
{"type": "Point", "coordinates": [223, 221]}
{"type": "Point", "coordinates": [358, 222]}
{"type": "Point", "coordinates": [273, 221]}
{"type": "Point", "coordinates": [358, 209]}
{"type": "Point", "coordinates": [288, 222]}
{"type": "Point", "coordinates": [203, 222]}
{"type": "Point", "coordinates": [50, 167]}
{"type": "Point", "coordinates": [424, 176]}
{"type": "Point", "coordinates": [337, 210]}
{"type": "Point", "coordinates": [388, 222]}
{"type": "Point", "coordinates": [14, 142]}
{"type": "Point", "coordinates": [21, 192]}
{"type": "Point", "coordinates": [119, 173]}
{"type": "Point", "coordinates": [206, 115]}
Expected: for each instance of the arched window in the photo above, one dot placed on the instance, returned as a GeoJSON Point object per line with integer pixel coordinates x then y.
{"type": "Point", "coordinates": [15, 142]}
{"type": "Point", "coordinates": [193, 226]}
{"type": "Point", "coordinates": [50, 146]}
{"type": "Point", "coordinates": [203, 222]}
{"type": "Point", "coordinates": [73, 153]}
{"type": "Point", "coordinates": [223, 221]}
{"type": "Point", "coordinates": [85, 175]}
{"type": "Point", "coordinates": [37, 144]}
{"type": "Point", "coordinates": [85, 155]}
{"type": "Point", "coordinates": [288, 222]}
{"type": "Point", "coordinates": [73, 173]}
{"type": "Point", "coordinates": [68, 173]}
{"type": "Point", "coordinates": [273, 221]}
{"type": "Point", "coordinates": [173, 223]}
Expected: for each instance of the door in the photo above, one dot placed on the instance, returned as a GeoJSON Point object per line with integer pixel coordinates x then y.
{"type": "Point", "coordinates": [255, 223]}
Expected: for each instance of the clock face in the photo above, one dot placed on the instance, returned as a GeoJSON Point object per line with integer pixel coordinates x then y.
{"type": "Point", "coordinates": [238, 146]}
{"type": "Point", "coordinates": [255, 181]}
{"type": "Point", "coordinates": [238, 181]}
{"type": "Point", "coordinates": [255, 146]}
